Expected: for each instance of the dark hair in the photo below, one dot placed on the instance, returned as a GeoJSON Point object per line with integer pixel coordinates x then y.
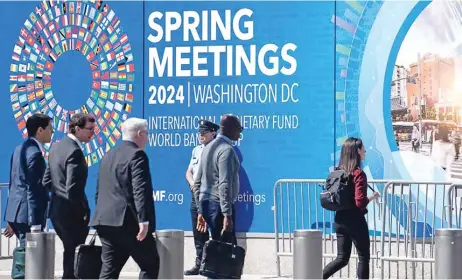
{"type": "Point", "coordinates": [79, 120]}
{"type": "Point", "coordinates": [350, 159]}
{"type": "Point", "coordinates": [443, 134]}
{"type": "Point", "coordinates": [36, 121]}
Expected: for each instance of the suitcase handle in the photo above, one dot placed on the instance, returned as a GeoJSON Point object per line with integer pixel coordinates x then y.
{"type": "Point", "coordinates": [93, 239]}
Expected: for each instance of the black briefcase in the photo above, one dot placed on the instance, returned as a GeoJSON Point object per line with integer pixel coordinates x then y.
{"type": "Point", "coordinates": [87, 262]}
{"type": "Point", "coordinates": [222, 260]}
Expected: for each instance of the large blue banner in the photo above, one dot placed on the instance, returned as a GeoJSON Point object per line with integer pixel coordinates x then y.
{"type": "Point", "coordinates": [301, 76]}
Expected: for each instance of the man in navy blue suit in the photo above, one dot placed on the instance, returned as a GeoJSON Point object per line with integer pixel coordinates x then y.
{"type": "Point", "coordinates": [28, 198]}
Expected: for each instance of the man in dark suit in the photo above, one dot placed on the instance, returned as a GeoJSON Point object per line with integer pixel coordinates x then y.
{"type": "Point", "coordinates": [28, 198]}
{"type": "Point", "coordinates": [66, 177]}
{"type": "Point", "coordinates": [125, 215]}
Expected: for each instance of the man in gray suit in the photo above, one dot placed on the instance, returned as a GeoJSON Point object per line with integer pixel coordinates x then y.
{"type": "Point", "coordinates": [217, 183]}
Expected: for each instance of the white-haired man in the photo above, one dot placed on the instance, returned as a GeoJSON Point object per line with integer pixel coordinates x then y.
{"type": "Point", "coordinates": [125, 216]}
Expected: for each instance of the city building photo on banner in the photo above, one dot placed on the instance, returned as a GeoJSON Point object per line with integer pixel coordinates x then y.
{"type": "Point", "coordinates": [426, 88]}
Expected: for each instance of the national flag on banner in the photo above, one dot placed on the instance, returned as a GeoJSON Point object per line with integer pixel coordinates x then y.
{"type": "Point", "coordinates": [121, 67]}
{"type": "Point", "coordinates": [57, 10]}
{"type": "Point", "coordinates": [88, 148]}
{"type": "Point", "coordinates": [115, 116]}
{"type": "Point", "coordinates": [28, 24]}
{"type": "Point", "coordinates": [14, 67]}
{"type": "Point", "coordinates": [111, 141]}
{"type": "Point", "coordinates": [51, 27]}
{"type": "Point", "coordinates": [45, 19]}
{"type": "Point", "coordinates": [38, 11]}
{"type": "Point", "coordinates": [33, 17]}
{"type": "Point", "coordinates": [13, 77]}
{"type": "Point", "coordinates": [102, 40]}
{"type": "Point", "coordinates": [94, 158]}
{"type": "Point", "coordinates": [13, 88]}
{"type": "Point", "coordinates": [17, 49]}
{"type": "Point", "coordinates": [27, 50]}
{"type": "Point", "coordinates": [120, 97]}
{"type": "Point", "coordinates": [109, 105]}
{"type": "Point", "coordinates": [90, 56]}
{"type": "Point", "coordinates": [14, 97]}
{"type": "Point", "coordinates": [96, 74]}
{"type": "Point", "coordinates": [127, 107]}
{"type": "Point", "coordinates": [62, 34]}
{"type": "Point", "coordinates": [39, 93]}
{"type": "Point", "coordinates": [53, 56]}
{"type": "Point", "coordinates": [16, 106]}
{"type": "Point", "coordinates": [116, 133]}
{"type": "Point", "coordinates": [110, 29]}
{"type": "Point", "coordinates": [100, 103]}
{"type": "Point", "coordinates": [24, 33]}
{"type": "Point", "coordinates": [123, 39]}
{"type": "Point", "coordinates": [49, 65]}
{"type": "Point", "coordinates": [31, 97]}
{"type": "Point", "coordinates": [103, 94]}
{"type": "Point", "coordinates": [22, 125]}
{"type": "Point", "coordinates": [64, 44]}
{"type": "Point", "coordinates": [127, 48]}
{"type": "Point", "coordinates": [96, 85]}
{"type": "Point", "coordinates": [129, 97]}
{"type": "Point", "coordinates": [104, 84]}
{"type": "Point", "coordinates": [110, 56]}
{"type": "Point", "coordinates": [15, 57]}
{"type": "Point", "coordinates": [84, 109]}
{"type": "Point", "coordinates": [18, 115]}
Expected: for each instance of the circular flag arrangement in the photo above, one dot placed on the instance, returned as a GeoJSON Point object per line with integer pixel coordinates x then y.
{"type": "Point", "coordinates": [93, 29]}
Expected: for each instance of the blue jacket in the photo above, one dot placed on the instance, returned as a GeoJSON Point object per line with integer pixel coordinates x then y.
{"type": "Point", "coordinates": [28, 199]}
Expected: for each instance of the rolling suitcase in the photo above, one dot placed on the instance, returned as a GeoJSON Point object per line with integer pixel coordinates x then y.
{"type": "Point", "coordinates": [221, 260]}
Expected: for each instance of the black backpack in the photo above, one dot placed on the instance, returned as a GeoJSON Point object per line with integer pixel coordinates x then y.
{"type": "Point", "coordinates": [338, 193]}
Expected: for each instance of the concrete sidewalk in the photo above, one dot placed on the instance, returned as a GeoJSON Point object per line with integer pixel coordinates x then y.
{"type": "Point", "coordinates": [134, 275]}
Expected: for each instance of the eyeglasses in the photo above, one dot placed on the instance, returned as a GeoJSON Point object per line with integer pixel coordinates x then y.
{"type": "Point", "coordinates": [91, 129]}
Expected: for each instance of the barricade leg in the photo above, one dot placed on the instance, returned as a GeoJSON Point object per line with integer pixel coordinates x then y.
{"type": "Point", "coordinates": [170, 245]}
{"type": "Point", "coordinates": [307, 254]}
{"type": "Point", "coordinates": [40, 255]}
{"type": "Point", "coordinates": [448, 254]}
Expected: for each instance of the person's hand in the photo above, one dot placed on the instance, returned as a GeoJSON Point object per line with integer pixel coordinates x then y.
{"type": "Point", "coordinates": [201, 224]}
{"type": "Point", "coordinates": [227, 224]}
{"type": "Point", "coordinates": [375, 196]}
{"type": "Point", "coordinates": [8, 233]}
{"type": "Point", "coordinates": [143, 232]}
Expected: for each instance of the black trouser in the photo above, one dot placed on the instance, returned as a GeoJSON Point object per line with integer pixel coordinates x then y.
{"type": "Point", "coordinates": [199, 237]}
{"type": "Point", "coordinates": [457, 148]}
{"type": "Point", "coordinates": [120, 243]}
{"type": "Point", "coordinates": [351, 227]}
{"type": "Point", "coordinates": [72, 232]}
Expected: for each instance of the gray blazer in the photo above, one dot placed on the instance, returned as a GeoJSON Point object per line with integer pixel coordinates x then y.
{"type": "Point", "coordinates": [218, 175]}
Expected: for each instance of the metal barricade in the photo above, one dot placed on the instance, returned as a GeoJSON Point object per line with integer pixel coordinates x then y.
{"type": "Point", "coordinates": [296, 206]}
{"type": "Point", "coordinates": [411, 213]}
{"type": "Point", "coordinates": [455, 206]}
{"type": "Point", "coordinates": [7, 245]}
{"type": "Point", "coordinates": [401, 223]}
